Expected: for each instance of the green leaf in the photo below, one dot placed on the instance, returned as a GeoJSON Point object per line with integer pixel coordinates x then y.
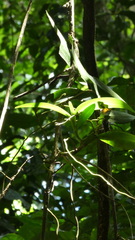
{"type": "Point", "coordinates": [63, 49]}
{"type": "Point", "coordinates": [120, 117]}
{"type": "Point", "coordinates": [109, 101]}
{"type": "Point", "coordinates": [118, 81]}
{"type": "Point", "coordinates": [66, 92]}
{"type": "Point", "coordinates": [83, 73]}
{"type": "Point", "coordinates": [64, 235]}
{"type": "Point", "coordinates": [93, 234]}
{"type": "Point", "coordinates": [118, 139]}
{"type": "Point", "coordinates": [86, 77]}
{"type": "Point", "coordinates": [12, 236]}
{"type": "Point", "coordinates": [31, 227]}
{"type": "Point", "coordinates": [129, 14]}
{"type": "Point", "coordinates": [71, 107]}
{"type": "Point", "coordinates": [46, 106]}
{"type": "Point", "coordinates": [84, 115]}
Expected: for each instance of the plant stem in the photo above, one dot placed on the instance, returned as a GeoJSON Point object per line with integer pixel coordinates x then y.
{"type": "Point", "coordinates": [5, 105]}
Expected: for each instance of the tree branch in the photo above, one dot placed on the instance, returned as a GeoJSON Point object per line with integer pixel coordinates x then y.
{"type": "Point", "coordinates": [5, 106]}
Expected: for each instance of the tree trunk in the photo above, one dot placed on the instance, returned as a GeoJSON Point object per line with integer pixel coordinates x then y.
{"type": "Point", "coordinates": [103, 196]}
{"type": "Point", "coordinates": [103, 153]}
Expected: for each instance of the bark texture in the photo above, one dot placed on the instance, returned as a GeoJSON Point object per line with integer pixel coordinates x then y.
{"type": "Point", "coordinates": [103, 153]}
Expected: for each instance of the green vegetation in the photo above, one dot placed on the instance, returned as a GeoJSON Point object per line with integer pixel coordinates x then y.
{"type": "Point", "coordinates": [67, 123]}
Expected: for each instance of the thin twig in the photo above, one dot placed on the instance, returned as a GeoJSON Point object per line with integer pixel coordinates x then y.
{"type": "Point", "coordinates": [57, 221]}
{"type": "Point", "coordinates": [95, 174]}
{"type": "Point", "coordinates": [72, 199]}
{"type": "Point", "coordinates": [49, 81]}
{"type": "Point", "coordinates": [72, 18]}
{"type": "Point", "coordinates": [5, 106]}
{"type": "Point", "coordinates": [130, 223]}
{"type": "Point", "coordinates": [13, 177]}
{"type": "Point", "coordinates": [33, 132]}
{"type": "Point", "coordinates": [49, 187]}
{"type": "Point", "coordinates": [15, 155]}
{"type": "Point", "coordinates": [96, 189]}
{"type": "Point", "coordinates": [86, 162]}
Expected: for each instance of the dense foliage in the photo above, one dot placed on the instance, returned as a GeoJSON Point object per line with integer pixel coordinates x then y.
{"type": "Point", "coordinates": [49, 139]}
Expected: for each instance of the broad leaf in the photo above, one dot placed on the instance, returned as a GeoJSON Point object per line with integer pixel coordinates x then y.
{"type": "Point", "coordinates": [86, 77]}
{"type": "Point", "coordinates": [31, 226]}
{"type": "Point", "coordinates": [118, 139]}
{"type": "Point", "coordinates": [46, 106]}
{"type": "Point", "coordinates": [120, 117]}
{"type": "Point", "coordinates": [86, 114]}
{"type": "Point", "coordinates": [63, 50]}
{"type": "Point", "coordinates": [12, 236]}
{"type": "Point", "coordinates": [118, 81]}
{"type": "Point", "coordinates": [108, 101]}
{"type": "Point", "coordinates": [83, 73]}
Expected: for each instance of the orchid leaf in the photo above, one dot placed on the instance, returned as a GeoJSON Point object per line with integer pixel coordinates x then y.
{"type": "Point", "coordinates": [71, 107]}
{"type": "Point", "coordinates": [63, 49]}
{"type": "Point", "coordinates": [120, 117]}
{"type": "Point", "coordinates": [87, 77]}
{"type": "Point", "coordinates": [109, 101]}
{"type": "Point", "coordinates": [45, 106]}
{"type": "Point", "coordinates": [118, 139]}
{"type": "Point", "coordinates": [83, 116]}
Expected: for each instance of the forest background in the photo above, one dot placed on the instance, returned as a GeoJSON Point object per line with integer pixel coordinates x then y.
{"type": "Point", "coordinates": [67, 121]}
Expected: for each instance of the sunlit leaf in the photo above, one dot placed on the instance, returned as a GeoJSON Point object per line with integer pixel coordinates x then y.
{"type": "Point", "coordinates": [118, 139]}
{"type": "Point", "coordinates": [87, 77]}
{"type": "Point", "coordinates": [63, 50]}
{"type": "Point", "coordinates": [83, 116]}
{"type": "Point", "coordinates": [109, 101]}
{"type": "Point", "coordinates": [71, 107]}
{"type": "Point", "coordinates": [46, 106]}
